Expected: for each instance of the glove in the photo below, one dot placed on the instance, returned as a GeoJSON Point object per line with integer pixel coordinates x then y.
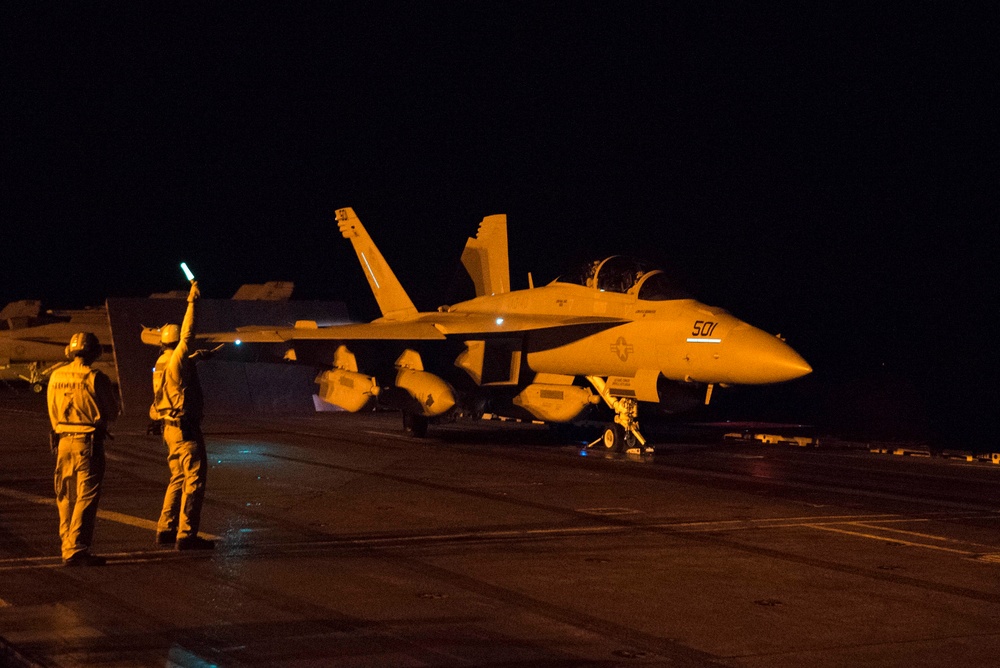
{"type": "Point", "coordinates": [195, 292]}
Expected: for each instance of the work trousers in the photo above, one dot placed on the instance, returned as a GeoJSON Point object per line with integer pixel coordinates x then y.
{"type": "Point", "coordinates": [186, 490]}
{"type": "Point", "coordinates": [78, 477]}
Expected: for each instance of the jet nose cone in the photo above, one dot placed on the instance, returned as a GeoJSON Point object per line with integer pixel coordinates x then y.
{"type": "Point", "coordinates": [758, 358]}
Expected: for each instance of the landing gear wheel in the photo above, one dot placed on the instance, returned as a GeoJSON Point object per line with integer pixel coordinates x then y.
{"type": "Point", "coordinates": [414, 424]}
{"type": "Point", "coordinates": [614, 437]}
{"type": "Point", "coordinates": [36, 387]}
{"type": "Point", "coordinates": [617, 439]}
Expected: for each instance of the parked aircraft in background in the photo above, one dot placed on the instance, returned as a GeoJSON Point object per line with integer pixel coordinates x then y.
{"type": "Point", "coordinates": [272, 291]}
{"type": "Point", "coordinates": [615, 331]}
{"type": "Point", "coordinates": [33, 341]}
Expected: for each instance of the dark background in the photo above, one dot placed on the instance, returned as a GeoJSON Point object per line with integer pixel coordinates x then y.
{"type": "Point", "coordinates": [824, 172]}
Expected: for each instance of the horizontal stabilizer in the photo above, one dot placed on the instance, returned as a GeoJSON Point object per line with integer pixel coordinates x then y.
{"type": "Point", "coordinates": [21, 313]}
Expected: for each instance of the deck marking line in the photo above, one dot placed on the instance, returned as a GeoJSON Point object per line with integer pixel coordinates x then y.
{"type": "Point", "coordinates": [820, 527]}
{"type": "Point", "coordinates": [764, 521]}
{"type": "Point", "coordinates": [398, 437]}
{"type": "Point", "coordinates": [922, 535]}
{"type": "Point", "coordinates": [111, 515]}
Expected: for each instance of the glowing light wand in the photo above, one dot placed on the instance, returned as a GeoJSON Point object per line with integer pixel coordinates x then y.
{"type": "Point", "coordinates": [187, 272]}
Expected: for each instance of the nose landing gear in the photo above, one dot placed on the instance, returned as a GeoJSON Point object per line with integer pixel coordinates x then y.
{"type": "Point", "coordinates": [623, 434]}
{"type": "Point", "coordinates": [616, 439]}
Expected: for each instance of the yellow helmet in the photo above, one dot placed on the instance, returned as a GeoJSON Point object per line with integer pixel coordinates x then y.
{"type": "Point", "coordinates": [83, 344]}
{"type": "Point", "coordinates": [170, 334]}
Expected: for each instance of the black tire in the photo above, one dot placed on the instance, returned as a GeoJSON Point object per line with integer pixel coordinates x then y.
{"type": "Point", "coordinates": [414, 424]}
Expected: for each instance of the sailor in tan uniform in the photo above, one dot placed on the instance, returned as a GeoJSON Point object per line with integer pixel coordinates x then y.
{"type": "Point", "coordinates": [81, 403]}
{"type": "Point", "coordinates": [178, 404]}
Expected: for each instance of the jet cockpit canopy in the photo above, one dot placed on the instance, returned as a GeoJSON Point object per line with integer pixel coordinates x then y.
{"type": "Point", "coordinates": [625, 275]}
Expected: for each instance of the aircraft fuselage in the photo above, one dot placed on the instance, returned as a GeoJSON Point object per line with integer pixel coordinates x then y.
{"type": "Point", "coordinates": [682, 339]}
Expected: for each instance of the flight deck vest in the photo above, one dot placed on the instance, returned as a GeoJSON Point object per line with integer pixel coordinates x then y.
{"type": "Point", "coordinates": [175, 400]}
{"type": "Point", "coordinates": [163, 405]}
{"type": "Point", "coordinates": [72, 400]}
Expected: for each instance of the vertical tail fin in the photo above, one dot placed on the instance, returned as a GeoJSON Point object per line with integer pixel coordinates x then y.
{"type": "Point", "coordinates": [485, 257]}
{"type": "Point", "coordinates": [389, 293]}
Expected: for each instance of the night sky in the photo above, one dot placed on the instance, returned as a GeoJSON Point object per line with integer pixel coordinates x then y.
{"type": "Point", "coordinates": [826, 172]}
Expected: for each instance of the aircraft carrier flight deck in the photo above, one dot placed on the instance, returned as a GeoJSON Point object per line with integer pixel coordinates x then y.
{"type": "Point", "coordinates": [340, 541]}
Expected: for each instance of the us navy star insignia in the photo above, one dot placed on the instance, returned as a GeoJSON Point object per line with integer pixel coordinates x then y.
{"type": "Point", "coordinates": [622, 348]}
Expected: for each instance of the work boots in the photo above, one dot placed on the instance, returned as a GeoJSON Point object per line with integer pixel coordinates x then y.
{"type": "Point", "coordinates": [166, 537]}
{"type": "Point", "coordinates": [195, 543]}
{"type": "Point", "coordinates": [84, 559]}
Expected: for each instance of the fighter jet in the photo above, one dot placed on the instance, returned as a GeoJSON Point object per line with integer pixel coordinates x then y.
{"type": "Point", "coordinates": [614, 331]}
{"type": "Point", "coordinates": [33, 343]}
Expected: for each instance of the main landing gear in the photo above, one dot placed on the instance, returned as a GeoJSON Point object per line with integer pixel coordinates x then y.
{"type": "Point", "coordinates": [36, 375]}
{"type": "Point", "coordinates": [623, 434]}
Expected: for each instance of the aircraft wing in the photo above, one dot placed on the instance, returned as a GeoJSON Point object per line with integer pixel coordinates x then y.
{"type": "Point", "coordinates": [389, 331]}
{"type": "Point", "coordinates": [466, 323]}
{"type": "Point", "coordinates": [427, 327]}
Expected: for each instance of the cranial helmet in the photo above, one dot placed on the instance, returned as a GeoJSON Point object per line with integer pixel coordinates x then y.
{"type": "Point", "coordinates": [170, 334]}
{"type": "Point", "coordinates": [83, 344]}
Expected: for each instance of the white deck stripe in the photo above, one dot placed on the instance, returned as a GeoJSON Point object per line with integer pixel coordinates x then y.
{"type": "Point", "coordinates": [111, 515]}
